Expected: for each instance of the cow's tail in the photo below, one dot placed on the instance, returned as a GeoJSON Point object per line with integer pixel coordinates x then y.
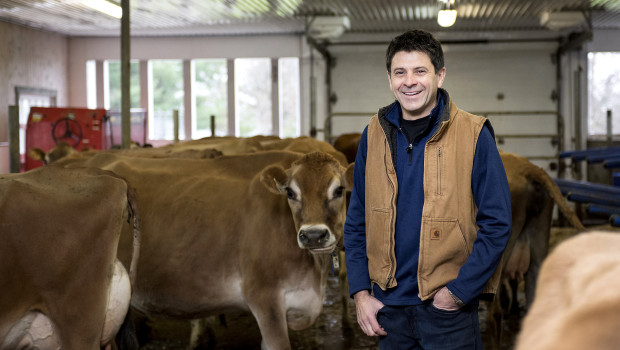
{"type": "Point", "coordinates": [126, 338]}
{"type": "Point", "coordinates": [135, 217]}
{"type": "Point", "coordinates": [538, 174]}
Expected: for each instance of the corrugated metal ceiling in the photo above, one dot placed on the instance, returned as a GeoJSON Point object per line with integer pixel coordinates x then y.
{"type": "Point", "coordinates": [246, 17]}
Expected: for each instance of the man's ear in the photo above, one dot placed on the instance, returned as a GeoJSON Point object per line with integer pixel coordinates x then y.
{"type": "Point", "coordinates": [274, 179]}
{"type": "Point", "coordinates": [348, 176]}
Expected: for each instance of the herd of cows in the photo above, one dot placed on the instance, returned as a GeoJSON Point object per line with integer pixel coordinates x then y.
{"type": "Point", "coordinates": [203, 227]}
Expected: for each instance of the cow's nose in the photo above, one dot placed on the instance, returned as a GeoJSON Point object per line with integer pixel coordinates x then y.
{"type": "Point", "coordinates": [313, 236]}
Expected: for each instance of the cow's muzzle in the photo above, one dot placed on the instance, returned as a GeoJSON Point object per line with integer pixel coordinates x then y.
{"type": "Point", "coordinates": [316, 238]}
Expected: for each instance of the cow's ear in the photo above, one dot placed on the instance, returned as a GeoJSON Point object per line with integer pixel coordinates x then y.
{"type": "Point", "coordinates": [348, 176]}
{"type": "Point", "coordinates": [274, 178]}
{"type": "Point", "coordinates": [36, 154]}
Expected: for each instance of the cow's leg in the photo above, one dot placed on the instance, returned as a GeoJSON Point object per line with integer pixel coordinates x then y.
{"type": "Point", "coordinates": [538, 230]}
{"type": "Point", "coordinates": [347, 321]}
{"type": "Point", "coordinates": [270, 315]}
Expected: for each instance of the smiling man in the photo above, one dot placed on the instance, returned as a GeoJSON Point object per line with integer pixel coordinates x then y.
{"type": "Point", "coordinates": [430, 213]}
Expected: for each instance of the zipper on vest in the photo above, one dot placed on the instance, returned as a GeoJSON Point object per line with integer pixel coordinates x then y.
{"type": "Point", "coordinates": [439, 170]}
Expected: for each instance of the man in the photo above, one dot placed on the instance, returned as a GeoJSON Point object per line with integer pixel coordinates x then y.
{"type": "Point", "coordinates": [430, 213]}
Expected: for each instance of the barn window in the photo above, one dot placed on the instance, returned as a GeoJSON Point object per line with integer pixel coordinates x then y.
{"type": "Point", "coordinates": [253, 86]}
{"type": "Point", "coordinates": [289, 96]}
{"type": "Point", "coordinates": [112, 79]}
{"type": "Point", "coordinates": [603, 92]}
{"type": "Point", "coordinates": [209, 97]}
{"type": "Point", "coordinates": [166, 95]}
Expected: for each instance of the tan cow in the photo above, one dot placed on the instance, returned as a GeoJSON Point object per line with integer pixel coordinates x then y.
{"type": "Point", "coordinates": [533, 196]}
{"type": "Point", "coordinates": [252, 232]}
{"type": "Point", "coordinates": [347, 144]}
{"type": "Point", "coordinates": [61, 284]}
{"type": "Point", "coordinates": [577, 297]}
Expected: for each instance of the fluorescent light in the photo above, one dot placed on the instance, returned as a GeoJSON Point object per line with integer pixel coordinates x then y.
{"type": "Point", "coordinates": [109, 8]}
{"type": "Point", "coordinates": [446, 18]}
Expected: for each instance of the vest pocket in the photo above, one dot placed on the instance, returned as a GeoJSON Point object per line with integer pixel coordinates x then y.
{"type": "Point", "coordinates": [443, 251]}
{"type": "Point", "coordinates": [378, 245]}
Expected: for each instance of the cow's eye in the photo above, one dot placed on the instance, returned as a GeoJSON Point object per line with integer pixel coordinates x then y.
{"type": "Point", "coordinates": [338, 192]}
{"type": "Point", "coordinates": [290, 194]}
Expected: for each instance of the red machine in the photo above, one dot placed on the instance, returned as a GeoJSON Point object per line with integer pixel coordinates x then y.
{"type": "Point", "coordinates": [79, 127]}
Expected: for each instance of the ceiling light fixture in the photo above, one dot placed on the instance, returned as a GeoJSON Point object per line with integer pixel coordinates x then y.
{"type": "Point", "coordinates": [109, 8]}
{"type": "Point", "coordinates": [447, 13]}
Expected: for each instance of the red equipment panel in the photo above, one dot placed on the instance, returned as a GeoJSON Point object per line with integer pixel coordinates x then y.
{"type": "Point", "coordinates": [79, 127]}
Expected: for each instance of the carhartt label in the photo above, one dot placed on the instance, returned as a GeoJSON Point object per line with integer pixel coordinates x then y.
{"type": "Point", "coordinates": [435, 233]}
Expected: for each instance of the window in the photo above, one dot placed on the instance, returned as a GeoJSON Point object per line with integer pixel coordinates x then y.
{"type": "Point", "coordinates": [166, 95]}
{"type": "Point", "coordinates": [210, 97]}
{"type": "Point", "coordinates": [253, 97]}
{"type": "Point", "coordinates": [603, 92]}
{"type": "Point", "coordinates": [112, 95]}
{"type": "Point", "coordinates": [289, 97]}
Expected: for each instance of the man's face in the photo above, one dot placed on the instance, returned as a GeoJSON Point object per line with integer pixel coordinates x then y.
{"type": "Point", "coordinates": [414, 83]}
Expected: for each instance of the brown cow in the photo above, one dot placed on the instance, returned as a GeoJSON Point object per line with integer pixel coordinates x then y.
{"type": "Point", "coordinates": [533, 196]}
{"type": "Point", "coordinates": [252, 232]}
{"type": "Point", "coordinates": [62, 286]}
{"type": "Point", "coordinates": [577, 297]}
{"type": "Point", "coordinates": [347, 144]}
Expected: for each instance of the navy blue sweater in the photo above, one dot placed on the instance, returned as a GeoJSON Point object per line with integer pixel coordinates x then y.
{"type": "Point", "coordinates": [491, 194]}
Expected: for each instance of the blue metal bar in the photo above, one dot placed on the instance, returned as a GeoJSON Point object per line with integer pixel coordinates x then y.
{"type": "Point", "coordinates": [590, 197]}
{"type": "Point", "coordinates": [599, 158]}
{"type": "Point", "coordinates": [582, 154]}
{"type": "Point", "coordinates": [614, 220]}
{"type": "Point", "coordinates": [602, 209]}
{"type": "Point", "coordinates": [612, 163]}
{"type": "Point", "coordinates": [566, 186]}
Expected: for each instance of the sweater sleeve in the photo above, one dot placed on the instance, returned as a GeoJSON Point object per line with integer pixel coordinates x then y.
{"type": "Point", "coordinates": [355, 225]}
{"type": "Point", "coordinates": [494, 219]}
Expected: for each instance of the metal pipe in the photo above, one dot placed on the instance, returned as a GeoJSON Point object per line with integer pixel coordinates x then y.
{"type": "Point", "coordinates": [125, 74]}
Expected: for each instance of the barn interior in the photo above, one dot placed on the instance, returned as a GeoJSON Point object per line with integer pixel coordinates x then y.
{"type": "Point", "coordinates": [545, 72]}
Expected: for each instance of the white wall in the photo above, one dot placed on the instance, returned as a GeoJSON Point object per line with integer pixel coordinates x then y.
{"type": "Point", "coordinates": [28, 58]}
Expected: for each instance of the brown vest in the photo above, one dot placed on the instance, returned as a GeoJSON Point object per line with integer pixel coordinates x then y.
{"type": "Point", "coordinates": [449, 213]}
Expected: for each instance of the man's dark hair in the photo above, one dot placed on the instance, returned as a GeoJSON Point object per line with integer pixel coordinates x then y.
{"type": "Point", "coordinates": [416, 40]}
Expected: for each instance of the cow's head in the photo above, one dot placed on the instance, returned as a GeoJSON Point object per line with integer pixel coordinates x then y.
{"type": "Point", "coordinates": [315, 186]}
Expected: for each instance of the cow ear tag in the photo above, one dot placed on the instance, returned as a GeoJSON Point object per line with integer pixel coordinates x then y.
{"type": "Point", "coordinates": [335, 263]}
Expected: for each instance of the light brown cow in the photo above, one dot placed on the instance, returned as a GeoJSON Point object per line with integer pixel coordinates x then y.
{"type": "Point", "coordinates": [347, 144]}
{"type": "Point", "coordinates": [60, 282]}
{"type": "Point", "coordinates": [577, 297]}
{"type": "Point", "coordinates": [252, 232]}
{"type": "Point", "coordinates": [533, 196]}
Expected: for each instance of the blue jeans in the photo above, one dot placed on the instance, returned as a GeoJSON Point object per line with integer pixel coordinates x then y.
{"type": "Point", "coordinates": [428, 328]}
